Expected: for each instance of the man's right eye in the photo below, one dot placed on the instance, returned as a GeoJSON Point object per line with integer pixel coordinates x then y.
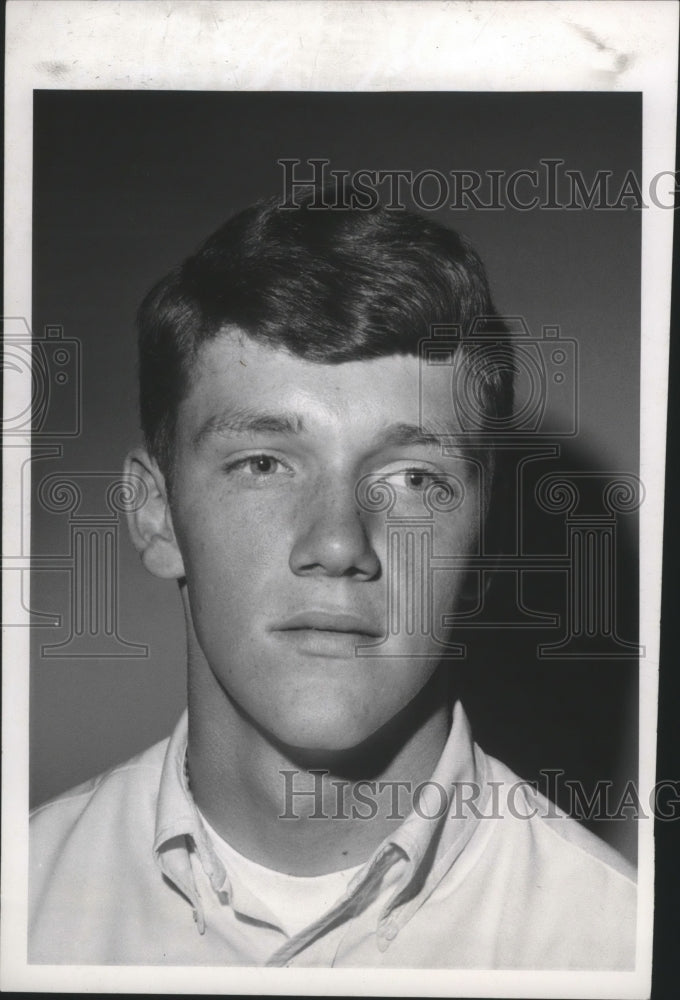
{"type": "Point", "coordinates": [262, 464]}
{"type": "Point", "coordinates": [256, 465]}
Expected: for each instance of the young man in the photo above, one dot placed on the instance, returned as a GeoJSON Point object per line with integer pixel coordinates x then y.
{"type": "Point", "coordinates": [322, 803]}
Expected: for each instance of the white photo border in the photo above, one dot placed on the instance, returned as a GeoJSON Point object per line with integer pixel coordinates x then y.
{"type": "Point", "coordinates": [348, 45]}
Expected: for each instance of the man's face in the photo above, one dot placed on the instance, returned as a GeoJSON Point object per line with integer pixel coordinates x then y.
{"type": "Point", "coordinates": [287, 569]}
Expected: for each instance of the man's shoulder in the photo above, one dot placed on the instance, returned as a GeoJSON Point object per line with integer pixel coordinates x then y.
{"type": "Point", "coordinates": [559, 835]}
{"type": "Point", "coordinates": [101, 799]}
{"type": "Point", "coordinates": [561, 896]}
{"type": "Point", "coordinates": [92, 866]}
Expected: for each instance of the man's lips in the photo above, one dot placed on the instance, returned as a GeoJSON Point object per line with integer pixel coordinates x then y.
{"type": "Point", "coordinates": [328, 621]}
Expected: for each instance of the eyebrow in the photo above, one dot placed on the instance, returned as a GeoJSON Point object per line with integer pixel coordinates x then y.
{"type": "Point", "coordinates": [249, 421]}
{"type": "Point", "coordinates": [397, 435]}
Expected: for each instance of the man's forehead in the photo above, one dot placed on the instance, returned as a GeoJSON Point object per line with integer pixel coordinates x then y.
{"type": "Point", "coordinates": [234, 356]}
{"type": "Point", "coordinates": [243, 385]}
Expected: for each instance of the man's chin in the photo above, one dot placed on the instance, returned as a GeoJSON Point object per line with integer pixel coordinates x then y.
{"type": "Point", "coordinates": [324, 732]}
{"type": "Point", "coordinates": [339, 742]}
{"type": "Point", "coordinates": [327, 740]}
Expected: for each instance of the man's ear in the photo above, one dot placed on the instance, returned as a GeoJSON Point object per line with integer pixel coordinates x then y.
{"type": "Point", "coordinates": [150, 521]}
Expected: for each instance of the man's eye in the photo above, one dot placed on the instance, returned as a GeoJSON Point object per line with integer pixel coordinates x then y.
{"type": "Point", "coordinates": [257, 466]}
{"type": "Point", "coordinates": [414, 480]}
{"type": "Point", "coordinates": [262, 464]}
{"type": "Point", "coordinates": [419, 479]}
{"type": "Point", "coordinates": [428, 485]}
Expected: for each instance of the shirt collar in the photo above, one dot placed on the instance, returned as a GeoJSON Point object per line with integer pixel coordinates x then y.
{"type": "Point", "coordinates": [432, 800]}
{"type": "Point", "coordinates": [444, 817]}
{"type": "Point", "coordinates": [428, 845]}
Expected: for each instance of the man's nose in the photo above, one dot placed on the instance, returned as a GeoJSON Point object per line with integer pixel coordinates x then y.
{"type": "Point", "coordinates": [333, 537]}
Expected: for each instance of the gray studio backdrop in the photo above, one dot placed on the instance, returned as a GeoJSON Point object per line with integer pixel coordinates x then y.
{"type": "Point", "coordinates": [125, 185]}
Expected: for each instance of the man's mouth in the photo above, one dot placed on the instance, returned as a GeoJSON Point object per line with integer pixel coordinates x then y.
{"type": "Point", "coordinates": [329, 622]}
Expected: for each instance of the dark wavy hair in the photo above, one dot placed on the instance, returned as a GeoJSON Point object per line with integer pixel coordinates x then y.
{"type": "Point", "coordinates": [326, 284]}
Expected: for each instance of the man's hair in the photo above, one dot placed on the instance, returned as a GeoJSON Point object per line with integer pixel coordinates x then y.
{"type": "Point", "coordinates": [326, 284]}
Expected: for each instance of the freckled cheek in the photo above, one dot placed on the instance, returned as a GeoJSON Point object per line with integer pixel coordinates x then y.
{"type": "Point", "coordinates": [232, 545]}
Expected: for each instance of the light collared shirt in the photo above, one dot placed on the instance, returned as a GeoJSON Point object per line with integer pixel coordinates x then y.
{"type": "Point", "coordinates": [123, 871]}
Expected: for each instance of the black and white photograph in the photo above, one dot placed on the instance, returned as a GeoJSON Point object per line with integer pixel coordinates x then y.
{"type": "Point", "coordinates": [335, 364]}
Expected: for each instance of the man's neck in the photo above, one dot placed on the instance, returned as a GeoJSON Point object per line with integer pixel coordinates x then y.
{"type": "Point", "coordinates": [301, 811]}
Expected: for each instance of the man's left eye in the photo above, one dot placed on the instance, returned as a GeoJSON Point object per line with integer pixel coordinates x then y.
{"type": "Point", "coordinates": [413, 480]}
{"type": "Point", "coordinates": [419, 479]}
